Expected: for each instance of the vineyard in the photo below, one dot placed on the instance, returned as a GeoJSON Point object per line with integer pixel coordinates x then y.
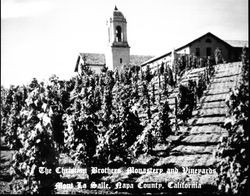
{"type": "Point", "coordinates": [140, 119]}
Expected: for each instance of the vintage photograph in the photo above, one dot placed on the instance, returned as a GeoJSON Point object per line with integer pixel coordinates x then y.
{"type": "Point", "coordinates": [146, 97]}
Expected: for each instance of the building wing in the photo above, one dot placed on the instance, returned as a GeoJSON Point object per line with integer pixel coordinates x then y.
{"type": "Point", "coordinates": [230, 45]}
{"type": "Point", "coordinates": [237, 43]}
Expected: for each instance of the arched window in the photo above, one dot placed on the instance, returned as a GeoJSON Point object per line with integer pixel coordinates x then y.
{"type": "Point", "coordinates": [208, 40]}
{"type": "Point", "coordinates": [118, 34]}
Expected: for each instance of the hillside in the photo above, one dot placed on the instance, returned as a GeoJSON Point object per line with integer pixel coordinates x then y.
{"type": "Point", "coordinates": [121, 122]}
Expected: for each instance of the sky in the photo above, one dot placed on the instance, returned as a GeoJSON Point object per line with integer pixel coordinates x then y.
{"type": "Point", "coordinates": [40, 38]}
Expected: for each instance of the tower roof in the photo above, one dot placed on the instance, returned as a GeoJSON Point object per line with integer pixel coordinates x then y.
{"type": "Point", "coordinates": [118, 14]}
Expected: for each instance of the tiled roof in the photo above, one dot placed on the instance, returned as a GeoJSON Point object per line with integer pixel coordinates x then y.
{"type": "Point", "coordinates": [99, 59]}
{"type": "Point", "coordinates": [139, 59]}
{"type": "Point", "coordinates": [93, 58]}
{"type": "Point", "coordinates": [237, 43]}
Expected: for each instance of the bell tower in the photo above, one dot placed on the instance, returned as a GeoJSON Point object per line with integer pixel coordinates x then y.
{"type": "Point", "coordinates": [118, 51]}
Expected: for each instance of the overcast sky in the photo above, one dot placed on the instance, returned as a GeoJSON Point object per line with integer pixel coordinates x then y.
{"type": "Point", "coordinates": [43, 37]}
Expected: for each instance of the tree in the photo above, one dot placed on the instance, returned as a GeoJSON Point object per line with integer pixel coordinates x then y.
{"type": "Point", "coordinates": [117, 77]}
{"type": "Point", "coordinates": [135, 89]}
{"type": "Point", "coordinates": [58, 126]}
{"type": "Point", "coordinates": [81, 128]}
{"type": "Point", "coordinates": [146, 96]}
{"type": "Point", "coordinates": [107, 105]}
{"type": "Point", "coordinates": [33, 84]}
{"type": "Point", "coordinates": [180, 65]}
{"type": "Point", "coordinates": [148, 75]}
{"type": "Point", "coordinates": [122, 130]}
{"type": "Point", "coordinates": [97, 100]}
{"type": "Point", "coordinates": [202, 62]}
{"type": "Point", "coordinates": [127, 76]}
{"type": "Point", "coordinates": [218, 56]}
{"type": "Point", "coordinates": [186, 103]}
{"type": "Point", "coordinates": [201, 86]}
{"type": "Point", "coordinates": [245, 64]}
{"type": "Point", "coordinates": [38, 148]}
{"type": "Point", "coordinates": [86, 71]}
{"type": "Point", "coordinates": [160, 72]}
{"type": "Point", "coordinates": [65, 96]}
{"type": "Point", "coordinates": [210, 66]}
{"type": "Point", "coordinates": [194, 61]}
{"type": "Point", "coordinates": [104, 69]}
{"type": "Point", "coordinates": [153, 94]}
{"type": "Point", "coordinates": [166, 80]}
{"type": "Point", "coordinates": [164, 121]}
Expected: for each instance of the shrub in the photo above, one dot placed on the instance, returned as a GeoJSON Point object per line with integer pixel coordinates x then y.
{"type": "Point", "coordinates": [218, 56]}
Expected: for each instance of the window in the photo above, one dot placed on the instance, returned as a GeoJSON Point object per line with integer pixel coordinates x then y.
{"type": "Point", "coordinates": [120, 60]}
{"type": "Point", "coordinates": [118, 34]}
{"type": "Point", "coordinates": [209, 51]}
{"type": "Point", "coordinates": [208, 40]}
{"type": "Point", "coordinates": [197, 51]}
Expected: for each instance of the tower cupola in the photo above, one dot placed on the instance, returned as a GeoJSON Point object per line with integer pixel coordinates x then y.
{"type": "Point", "coordinates": [118, 52]}
{"type": "Point", "coordinates": [117, 29]}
